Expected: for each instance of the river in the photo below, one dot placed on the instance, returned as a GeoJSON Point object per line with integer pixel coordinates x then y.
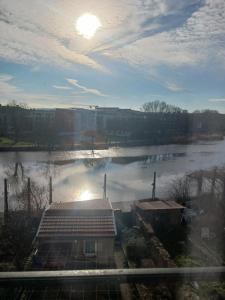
{"type": "Point", "coordinates": [79, 174]}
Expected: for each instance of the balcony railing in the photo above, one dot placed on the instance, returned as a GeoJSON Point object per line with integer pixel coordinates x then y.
{"type": "Point", "coordinates": [47, 278]}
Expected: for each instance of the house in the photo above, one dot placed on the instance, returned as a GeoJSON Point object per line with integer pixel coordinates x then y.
{"type": "Point", "coordinates": [158, 213]}
{"type": "Point", "coordinates": [76, 235]}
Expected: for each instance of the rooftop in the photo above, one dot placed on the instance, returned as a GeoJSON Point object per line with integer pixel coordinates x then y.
{"type": "Point", "coordinates": [147, 204]}
{"type": "Point", "coordinates": [94, 204]}
{"type": "Point", "coordinates": [71, 220]}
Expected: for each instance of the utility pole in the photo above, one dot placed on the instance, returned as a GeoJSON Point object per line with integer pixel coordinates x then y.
{"type": "Point", "coordinates": [104, 187]}
{"type": "Point", "coordinates": [154, 186]}
{"type": "Point", "coordinates": [50, 190]}
{"type": "Point", "coordinates": [28, 196]}
{"type": "Point", "coordinates": [6, 207]}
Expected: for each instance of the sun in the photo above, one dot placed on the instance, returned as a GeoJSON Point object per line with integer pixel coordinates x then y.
{"type": "Point", "coordinates": [87, 25]}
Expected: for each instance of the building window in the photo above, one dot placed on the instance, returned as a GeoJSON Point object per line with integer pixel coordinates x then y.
{"type": "Point", "coordinates": [89, 248]}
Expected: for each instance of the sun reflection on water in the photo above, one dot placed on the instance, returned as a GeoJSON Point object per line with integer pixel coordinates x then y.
{"type": "Point", "coordinates": [85, 195]}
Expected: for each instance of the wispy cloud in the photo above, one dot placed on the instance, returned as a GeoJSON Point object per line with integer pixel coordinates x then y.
{"type": "Point", "coordinates": [194, 41]}
{"type": "Point", "coordinates": [217, 100]}
{"type": "Point", "coordinates": [10, 91]}
{"type": "Point", "coordinates": [62, 87]}
{"type": "Point", "coordinates": [173, 87]}
{"type": "Point", "coordinates": [84, 89]}
{"type": "Point", "coordinates": [145, 33]}
{"type": "Point", "coordinates": [34, 33]}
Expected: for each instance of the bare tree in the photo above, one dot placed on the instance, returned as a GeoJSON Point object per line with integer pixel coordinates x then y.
{"type": "Point", "coordinates": [161, 107]}
{"type": "Point", "coordinates": [38, 196]}
{"type": "Point", "coordinates": [180, 190]}
{"type": "Point", "coordinates": [19, 187]}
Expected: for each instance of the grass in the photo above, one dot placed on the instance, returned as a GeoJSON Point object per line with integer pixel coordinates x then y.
{"type": "Point", "coordinates": [212, 290]}
{"type": "Point", "coordinates": [188, 261]}
{"type": "Point", "coordinates": [10, 142]}
{"type": "Point", "coordinates": [23, 144]}
{"type": "Point", "coordinates": [6, 141]}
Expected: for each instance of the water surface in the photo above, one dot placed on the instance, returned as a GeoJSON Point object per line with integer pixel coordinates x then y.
{"type": "Point", "coordinates": [129, 170]}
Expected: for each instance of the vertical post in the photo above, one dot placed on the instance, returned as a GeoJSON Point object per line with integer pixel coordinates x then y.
{"type": "Point", "coordinates": [154, 186]}
{"type": "Point", "coordinates": [28, 196]}
{"type": "Point", "coordinates": [199, 183]}
{"type": "Point", "coordinates": [6, 207]}
{"type": "Point", "coordinates": [223, 191]}
{"type": "Point", "coordinates": [104, 188]}
{"type": "Point", "coordinates": [213, 182]}
{"type": "Point", "coordinates": [50, 190]}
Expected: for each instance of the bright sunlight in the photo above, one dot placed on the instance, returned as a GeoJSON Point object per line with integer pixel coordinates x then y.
{"type": "Point", "coordinates": [87, 25]}
{"type": "Point", "coordinates": [85, 195]}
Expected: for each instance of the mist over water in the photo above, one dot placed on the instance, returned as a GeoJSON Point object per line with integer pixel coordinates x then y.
{"type": "Point", "coordinates": [129, 170]}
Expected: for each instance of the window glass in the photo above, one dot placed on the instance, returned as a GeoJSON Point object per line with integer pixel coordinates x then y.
{"type": "Point", "coordinates": [90, 247]}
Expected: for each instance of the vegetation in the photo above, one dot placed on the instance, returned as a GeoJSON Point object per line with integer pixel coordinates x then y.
{"type": "Point", "coordinates": [136, 248]}
{"type": "Point", "coordinates": [16, 239]}
{"type": "Point", "coordinates": [161, 107]}
{"type": "Point", "coordinates": [212, 290]}
{"type": "Point", "coordinates": [6, 141]}
{"type": "Point", "coordinates": [188, 261]}
{"type": "Point", "coordinates": [180, 190]}
{"type": "Point", "coordinates": [20, 226]}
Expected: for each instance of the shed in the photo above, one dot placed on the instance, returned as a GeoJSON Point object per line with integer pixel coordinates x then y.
{"type": "Point", "coordinates": [159, 212]}
{"type": "Point", "coordinates": [79, 231]}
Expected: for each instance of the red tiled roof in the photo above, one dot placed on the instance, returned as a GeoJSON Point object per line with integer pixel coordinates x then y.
{"type": "Point", "coordinates": [158, 205]}
{"type": "Point", "coordinates": [94, 204]}
{"type": "Point", "coordinates": [74, 220]}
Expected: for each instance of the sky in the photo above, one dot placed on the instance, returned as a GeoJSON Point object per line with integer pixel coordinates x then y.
{"type": "Point", "coordinates": [145, 50]}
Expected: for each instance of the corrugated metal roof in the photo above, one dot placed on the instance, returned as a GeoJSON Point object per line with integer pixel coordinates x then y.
{"type": "Point", "coordinates": [158, 205]}
{"type": "Point", "coordinates": [68, 220]}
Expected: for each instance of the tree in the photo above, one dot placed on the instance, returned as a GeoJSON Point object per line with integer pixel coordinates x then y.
{"type": "Point", "coordinates": [180, 190]}
{"type": "Point", "coordinates": [205, 111]}
{"type": "Point", "coordinates": [161, 107]}
{"type": "Point", "coordinates": [13, 103]}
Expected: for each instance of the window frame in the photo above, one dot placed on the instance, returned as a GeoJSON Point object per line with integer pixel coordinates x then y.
{"type": "Point", "coordinates": [90, 254]}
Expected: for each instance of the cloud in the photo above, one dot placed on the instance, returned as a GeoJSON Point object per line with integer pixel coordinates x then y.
{"type": "Point", "coordinates": [10, 91]}
{"type": "Point", "coordinates": [217, 100]}
{"type": "Point", "coordinates": [35, 33]}
{"type": "Point", "coordinates": [173, 87]}
{"type": "Point", "coordinates": [85, 89]}
{"type": "Point", "coordinates": [197, 40]}
{"type": "Point", "coordinates": [62, 87]}
{"type": "Point", "coordinates": [7, 88]}
{"type": "Point", "coordinates": [144, 33]}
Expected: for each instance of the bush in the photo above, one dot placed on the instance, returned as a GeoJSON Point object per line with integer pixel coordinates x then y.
{"type": "Point", "coordinates": [136, 249]}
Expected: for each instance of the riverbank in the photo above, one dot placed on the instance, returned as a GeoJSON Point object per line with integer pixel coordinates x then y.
{"type": "Point", "coordinates": [180, 140]}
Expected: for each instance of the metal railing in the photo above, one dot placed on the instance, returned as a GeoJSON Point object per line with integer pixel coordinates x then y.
{"type": "Point", "coordinates": [46, 278]}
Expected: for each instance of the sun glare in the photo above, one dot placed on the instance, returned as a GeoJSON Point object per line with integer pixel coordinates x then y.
{"type": "Point", "coordinates": [85, 195]}
{"type": "Point", "coordinates": [87, 25]}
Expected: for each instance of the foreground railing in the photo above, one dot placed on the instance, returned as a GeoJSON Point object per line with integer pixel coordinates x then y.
{"type": "Point", "coordinates": [46, 278]}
